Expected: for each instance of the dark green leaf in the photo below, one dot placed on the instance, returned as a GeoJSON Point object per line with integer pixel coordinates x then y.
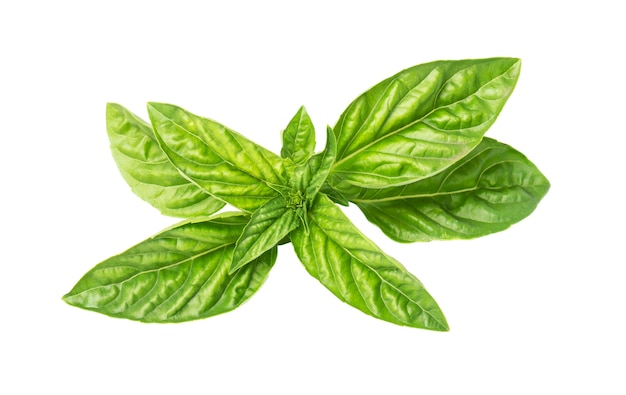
{"type": "Point", "coordinates": [268, 225]}
{"type": "Point", "coordinates": [219, 160]}
{"type": "Point", "coordinates": [354, 269]}
{"type": "Point", "coordinates": [420, 121]}
{"type": "Point", "coordinates": [148, 171]}
{"type": "Point", "coordinates": [488, 190]}
{"type": "Point", "coordinates": [178, 275]}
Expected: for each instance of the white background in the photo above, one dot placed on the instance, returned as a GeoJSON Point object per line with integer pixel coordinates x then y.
{"type": "Point", "coordinates": [537, 309]}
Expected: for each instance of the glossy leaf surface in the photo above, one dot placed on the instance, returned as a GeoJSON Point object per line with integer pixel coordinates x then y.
{"type": "Point", "coordinates": [219, 160]}
{"type": "Point", "coordinates": [178, 275]}
{"type": "Point", "coordinates": [147, 170]}
{"type": "Point", "coordinates": [354, 269]}
{"type": "Point", "coordinates": [420, 121]}
{"type": "Point", "coordinates": [490, 189]}
{"type": "Point", "coordinates": [268, 225]}
{"type": "Point", "coordinates": [299, 138]}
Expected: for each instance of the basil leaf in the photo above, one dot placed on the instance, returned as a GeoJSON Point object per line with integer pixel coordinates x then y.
{"type": "Point", "coordinates": [310, 176]}
{"type": "Point", "coordinates": [322, 166]}
{"type": "Point", "coordinates": [354, 269]}
{"type": "Point", "coordinates": [268, 225]}
{"type": "Point", "coordinates": [219, 160]}
{"type": "Point", "coordinates": [299, 138]}
{"type": "Point", "coordinates": [487, 191]}
{"type": "Point", "coordinates": [420, 121]}
{"type": "Point", "coordinates": [178, 275]}
{"type": "Point", "coordinates": [148, 171]}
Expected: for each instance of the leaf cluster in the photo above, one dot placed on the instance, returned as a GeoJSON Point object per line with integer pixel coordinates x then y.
{"type": "Point", "coordinates": [410, 152]}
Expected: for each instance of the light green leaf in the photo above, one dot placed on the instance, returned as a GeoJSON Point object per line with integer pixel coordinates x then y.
{"type": "Point", "coordinates": [178, 275]}
{"type": "Point", "coordinates": [487, 191]}
{"type": "Point", "coordinates": [299, 138]}
{"type": "Point", "coordinates": [354, 269]}
{"type": "Point", "coordinates": [268, 225]}
{"type": "Point", "coordinates": [420, 121]}
{"type": "Point", "coordinates": [148, 171]}
{"type": "Point", "coordinates": [219, 160]}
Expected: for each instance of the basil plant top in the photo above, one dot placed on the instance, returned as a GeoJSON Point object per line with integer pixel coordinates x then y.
{"type": "Point", "coordinates": [409, 152]}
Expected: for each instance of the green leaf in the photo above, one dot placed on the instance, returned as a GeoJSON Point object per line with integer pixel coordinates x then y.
{"type": "Point", "coordinates": [148, 171]}
{"type": "Point", "coordinates": [334, 195]}
{"type": "Point", "coordinates": [420, 121]}
{"type": "Point", "coordinates": [487, 191]}
{"type": "Point", "coordinates": [354, 269]}
{"type": "Point", "coordinates": [268, 225]}
{"type": "Point", "coordinates": [322, 166]}
{"type": "Point", "coordinates": [178, 275]}
{"type": "Point", "coordinates": [219, 160]}
{"type": "Point", "coordinates": [310, 176]}
{"type": "Point", "coordinates": [299, 138]}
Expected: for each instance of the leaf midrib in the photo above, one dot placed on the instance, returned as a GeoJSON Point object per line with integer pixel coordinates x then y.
{"type": "Point", "coordinates": [393, 132]}
{"type": "Point", "coordinates": [460, 191]}
{"type": "Point", "coordinates": [382, 279]}
{"type": "Point", "coordinates": [225, 160]}
{"type": "Point", "coordinates": [159, 269]}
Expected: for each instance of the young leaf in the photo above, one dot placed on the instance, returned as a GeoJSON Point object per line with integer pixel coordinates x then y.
{"type": "Point", "coordinates": [359, 273]}
{"type": "Point", "coordinates": [488, 190]}
{"type": "Point", "coordinates": [310, 176]}
{"type": "Point", "coordinates": [179, 275]}
{"type": "Point", "coordinates": [219, 160]}
{"type": "Point", "coordinates": [299, 138]}
{"type": "Point", "coordinates": [323, 166]}
{"type": "Point", "coordinates": [268, 225]}
{"type": "Point", "coordinates": [420, 121]}
{"type": "Point", "coordinates": [148, 171]}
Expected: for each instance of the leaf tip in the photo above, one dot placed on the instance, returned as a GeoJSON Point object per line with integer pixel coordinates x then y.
{"type": "Point", "coordinates": [240, 259]}
{"type": "Point", "coordinates": [67, 298]}
{"type": "Point", "coordinates": [159, 107]}
{"type": "Point", "coordinates": [156, 111]}
{"type": "Point", "coordinates": [152, 105]}
{"type": "Point", "coordinates": [233, 268]}
{"type": "Point", "coordinates": [113, 110]}
{"type": "Point", "coordinates": [439, 322]}
{"type": "Point", "coordinates": [516, 66]}
{"type": "Point", "coordinates": [444, 327]}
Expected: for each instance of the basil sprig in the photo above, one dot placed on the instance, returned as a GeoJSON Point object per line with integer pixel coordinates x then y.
{"type": "Point", "coordinates": [409, 152]}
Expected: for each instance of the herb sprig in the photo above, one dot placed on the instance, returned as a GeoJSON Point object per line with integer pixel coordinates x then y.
{"type": "Point", "coordinates": [410, 153]}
